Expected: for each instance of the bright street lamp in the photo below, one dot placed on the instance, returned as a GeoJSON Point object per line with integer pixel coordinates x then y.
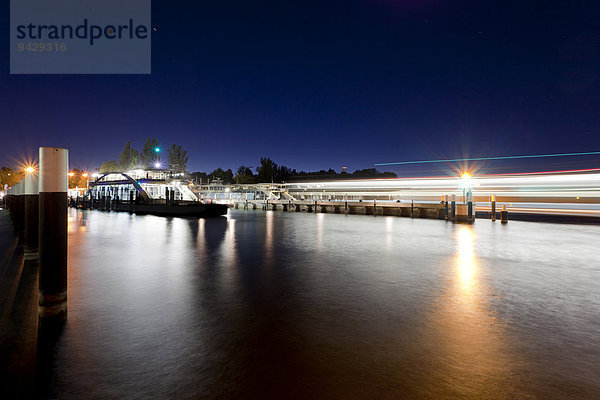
{"type": "Point", "coordinates": [466, 184]}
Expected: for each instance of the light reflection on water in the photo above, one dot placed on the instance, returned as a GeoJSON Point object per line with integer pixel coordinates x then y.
{"type": "Point", "coordinates": [297, 305]}
{"type": "Point", "coordinates": [466, 261]}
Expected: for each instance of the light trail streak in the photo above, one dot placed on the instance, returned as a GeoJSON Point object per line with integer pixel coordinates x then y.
{"type": "Point", "coordinates": [491, 158]}
{"type": "Point", "coordinates": [575, 193]}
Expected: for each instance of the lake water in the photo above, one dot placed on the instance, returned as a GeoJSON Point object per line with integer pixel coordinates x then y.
{"type": "Point", "coordinates": [285, 305]}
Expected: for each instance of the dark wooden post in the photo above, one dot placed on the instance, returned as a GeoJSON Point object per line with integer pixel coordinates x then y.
{"type": "Point", "coordinates": [54, 164]}
{"type": "Point", "coordinates": [20, 210]}
{"type": "Point", "coordinates": [504, 215]}
{"type": "Point", "coordinates": [32, 210]}
{"type": "Point", "coordinates": [446, 207]}
{"type": "Point", "coordinates": [470, 212]}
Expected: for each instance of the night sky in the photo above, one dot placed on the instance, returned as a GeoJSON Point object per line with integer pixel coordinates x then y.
{"type": "Point", "coordinates": [321, 84]}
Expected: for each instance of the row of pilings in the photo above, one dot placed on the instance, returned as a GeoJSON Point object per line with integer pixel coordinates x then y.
{"type": "Point", "coordinates": [38, 209]}
{"type": "Point", "coordinates": [449, 209]}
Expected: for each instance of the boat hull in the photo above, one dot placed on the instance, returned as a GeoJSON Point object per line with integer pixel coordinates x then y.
{"type": "Point", "coordinates": [186, 210]}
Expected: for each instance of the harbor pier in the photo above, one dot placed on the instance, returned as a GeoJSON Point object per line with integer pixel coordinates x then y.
{"type": "Point", "coordinates": [464, 212]}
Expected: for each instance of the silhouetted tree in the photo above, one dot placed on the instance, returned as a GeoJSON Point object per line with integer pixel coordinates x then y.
{"type": "Point", "coordinates": [225, 176]}
{"type": "Point", "coordinates": [9, 176]}
{"type": "Point", "coordinates": [266, 171]}
{"type": "Point", "coordinates": [372, 173]}
{"type": "Point", "coordinates": [178, 158]}
{"type": "Point", "coordinates": [244, 175]}
{"type": "Point", "coordinates": [109, 166]}
{"type": "Point", "coordinates": [77, 180]}
{"type": "Point", "coordinates": [149, 154]}
{"type": "Point", "coordinates": [283, 173]}
{"type": "Point", "coordinates": [129, 157]}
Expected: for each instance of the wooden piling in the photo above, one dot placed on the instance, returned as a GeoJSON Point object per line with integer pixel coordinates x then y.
{"type": "Point", "coordinates": [19, 222]}
{"type": "Point", "coordinates": [504, 215]}
{"type": "Point", "coordinates": [32, 210]}
{"type": "Point", "coordinates": [470, 212]}
{"type": "Point", "coordinates": [53, 179]}
{"type": "Point", "coordinates": [446, 216]}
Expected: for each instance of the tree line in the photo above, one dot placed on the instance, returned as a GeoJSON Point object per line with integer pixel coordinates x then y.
{"type": "Point", "coordinates": [269, 171]}
{"type": "Point", "coordinates": [149, 157]}
{"type": "Point", "coordinates": [9, 176]}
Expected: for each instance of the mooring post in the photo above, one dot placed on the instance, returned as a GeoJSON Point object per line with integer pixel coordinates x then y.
{"type": "Point", "coordinates": [493, 207]}
{"type": "Point", "coordinates": [19, 211]}
{"type": "Point", "coordinates": [315, 210]}
{"type": "Point", "coordinates": [13, 206]}
{"type": "Point", "coordinates": [470, 211]}
{"type": "Point", "coordinates": [504, 215]}
{"type": "Point", "coordinates": [54, 164]}
{"type": "Point", "coordinates": [14, 214]}
{"type": "Point", "coordinates": [32, 212]}
{"type": "Point", "coordinates": [453, 208]}
{"type": "Point", "coordinates": [446, 207]}
{"type": "Point", "coordinates": [375, 207]}
{"type": "Point", "coordinates": [412, 208]}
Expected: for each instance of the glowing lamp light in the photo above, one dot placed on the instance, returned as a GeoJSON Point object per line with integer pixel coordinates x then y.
{"type": "Point", "coordinates": [157, 149]}
{"type": "Point", "coordinates": [30, 170]}
{"type": "Point", "coordinates": [157, 165]}
{"type": "Point", "coordinates": [466, 182]}
{"type": "Point", "coordinates": [85, 175]}
{"type": "Point", "coordinates": [71, 174]}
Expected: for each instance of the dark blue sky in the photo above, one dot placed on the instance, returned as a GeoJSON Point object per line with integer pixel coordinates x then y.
{"type": "Point", "coordinates": [320, 84]}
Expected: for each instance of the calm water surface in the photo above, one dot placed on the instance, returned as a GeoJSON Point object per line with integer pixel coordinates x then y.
{"type": "Point", "coordinates": [299, 306]}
